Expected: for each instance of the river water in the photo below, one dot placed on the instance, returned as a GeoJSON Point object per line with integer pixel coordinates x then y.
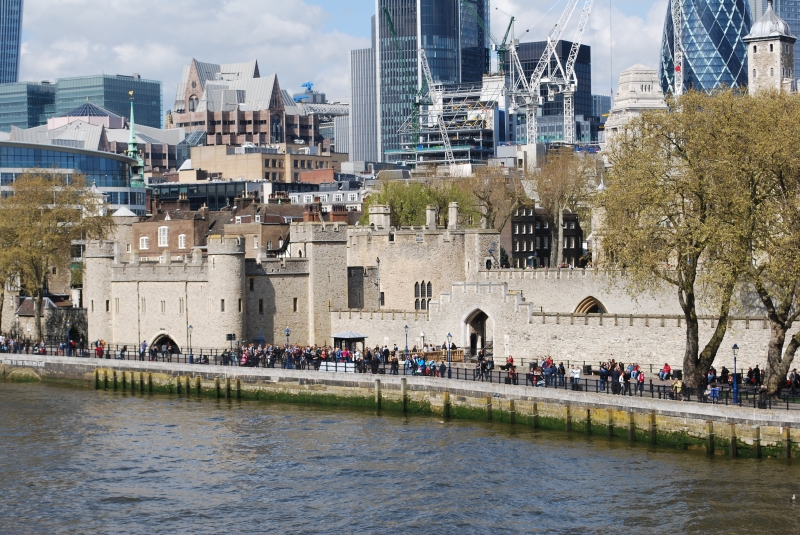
{"type": "Point", "coordinates": [82, 461]}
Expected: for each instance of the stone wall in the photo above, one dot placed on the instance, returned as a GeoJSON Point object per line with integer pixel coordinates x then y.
{"type": "Point", "coordinates": [719, 429]}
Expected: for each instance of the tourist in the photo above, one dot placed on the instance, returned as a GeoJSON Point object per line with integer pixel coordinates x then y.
{"type": "Point", "coordinates": [640, 382]}
{"type": "Point", "coordinates": [142, 349]}
{"type": "Point", "coordinates": [677, 387]}
{"type": "Point", "coordinates": [757, 376]}
{"type": "Point", "coordinates": [603, 377]}
{"type": "Point", "coordinates": [442, 369]}
{"type": "Point", "coordinates": [562, 372]}
{"type": "Point", "coordinates": [665, 372]}
{"type": "Point", "coordinates": [712, 375]}
{"type": "Point", "coordinates": [626, 381]}
{"type": "Point", "coordinates": [395, 369]}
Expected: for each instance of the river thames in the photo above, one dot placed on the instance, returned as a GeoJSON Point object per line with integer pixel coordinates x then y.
{"type": "Point", "coordinates": [85, 461]}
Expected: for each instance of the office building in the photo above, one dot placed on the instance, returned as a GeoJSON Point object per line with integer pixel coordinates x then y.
{"type": "Point", "coordinates": [113, 94]}
{"type": "Point", "coordinates": [10, 39]}
{"type": "Point", "coordinates": [437, 27]}
{"type": "Point", "coordinates": [789, 11]}
{"type": "Point", "coordinates": [363, 106]}
{"type": "Point", "coordinates": [110, 173]}
{"type": "Point", "coordinates": [601, 105]}
{"type": "Point", "coordinates": [714, 53]}
{"type": "Point", "coordinates": [26, 104]}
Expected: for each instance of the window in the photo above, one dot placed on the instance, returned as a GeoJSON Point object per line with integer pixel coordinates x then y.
{"type": "Point", "coordinates": [163, 236]}
{"type": "Point", "coordinates": [182, 241]}
{"type": "Point", "coordinates": [530, 229]}
{"type": "Point", "coordinates": [538, 224]}
{"type": "Point", "coordinates": [252, 284]}
{"type": "Point", "coordinates": [128, 248]}
{"type": "Point", "coordinates": [352, 197]}
{"type": "Point", "coordinates": [108, 305]}
{"type": "Point", "coordinates": [163, 307]}
{"type": "Point", "coordinates": [755, 49]}
{"type": "Point", "coordinates": [516, 229]}
{"type": "Point", "coordinates": [240, 305]}
{"type": "Point", "coordinates": [294, 304]}
{"type": "Point", "coordinates": [416, 290]}
{"type": "Point", "coordinates": [545, 225]}
{"type": "Point", "coordinates": [255, 242]}
{"type": "Point", "coordinates": [771, 71]}
{"type": "Point", "coordinates": [222, 305]}
{"type": "Point", "coordinates": [144, 305]}
{"type": "Point", "coordinates": [181, 305]}
{"type": "Point", "coordinates": [572, 225]}
{"type": "Point", "coordinates": [338, 197]}
{"type": "Point", "coordinates": [546, 243]}
{"type": "Point", "coordinates": [308, 198]}
{"type": "Point", "coordinates": [755, 74]}
{"type": "Point", "coordinates": [516, 246]}
{"type": "Point", "coordinates": [430, 290]}
{"type": "Point", "coordinates": [258, 219]}
{"type": "Point", "coordinates": [523, 229]}
{"type": "Point", "coordinates": [261, 306]}
{"type": "Point", "coordinates": [538, 243]}
{"type": "Point", "coordinates": [116, 305]}
{"type": "Point", "coordinates": [238, 220]}
{"type": "Point", "coordinates": [323, 198]}
{"type": "Point", "coordinates": [524, 246]}
{"type": "Point", "coordinates": [770, 48]}
{"type": "Point", "coordinates": [144, 243]}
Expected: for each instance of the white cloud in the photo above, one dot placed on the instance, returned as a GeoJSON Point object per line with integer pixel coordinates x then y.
{"type": "Point", "coordinates": [634, 39]}
{"type": "Point", "coordinates": [156, 38]}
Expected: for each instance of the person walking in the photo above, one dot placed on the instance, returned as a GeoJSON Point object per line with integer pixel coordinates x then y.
{"type": "Point", "coordinates": [142, 350]}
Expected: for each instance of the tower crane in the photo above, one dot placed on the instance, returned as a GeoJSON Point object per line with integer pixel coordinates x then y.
{"type": "Point", "coordinates": [501, 47]}
{"type": "Point", "coordinates": [557, 79]}
{"type": "Point", "coordinates": [433, 89]}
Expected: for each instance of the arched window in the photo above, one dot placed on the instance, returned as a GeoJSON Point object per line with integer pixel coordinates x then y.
{"type": "Point", "coordinates": [770, 48]}
{"type": "Point", "coordinates": [163, 236]}
{"type": "Point", "coordinates": [771, 71]}
{"type": "Point", "coordinates": [193, 103]}
{"type": "Point", "coordinates": [416, 304]}
{"type": "Point", "coordinates": [416, 292]}
{"type": "Point", "coordinates": [755, 74]}
{"type": "Point", "coordinates": [430, 290]}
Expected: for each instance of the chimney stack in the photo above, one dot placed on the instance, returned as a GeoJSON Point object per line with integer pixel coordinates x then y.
{"type": "Point", "coordinates": [452, 219]}
{"type": "Point", "coordinates": [430, 216]}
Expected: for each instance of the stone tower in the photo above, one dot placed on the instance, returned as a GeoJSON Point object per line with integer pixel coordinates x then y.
{"type": "Point", "coordinates": [770, 54]}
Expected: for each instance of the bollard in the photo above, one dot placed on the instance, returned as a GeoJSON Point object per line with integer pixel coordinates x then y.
{"type": "Point", "coordinates": [150, 383]}
{"type": "Point", "coordinates": [757, 441]}
{"type": "Point", "coordinates": [489, 408]}
{"type": "Point", "coordinates": [217, 387]}
{"type": "Point", "coordinates": [588, 421]}
{"type": "Point", "coordinates": [378, 394]}
{"type": "Point", "coordinates": [787, 443]}
{"type": "Point", "coordinates": [631, 426]}
{"type": "Point", "coordinates": [97, 378]}
{"type": "Point", "coordinates": [404, 393]}
{"type": "Point", "coordinates": [610, 422]}
{"type": "Point", "coordinates": [709, 437]}
{"type": "Point", "coordinates": [446, 404]}
{"type": "Point", "coordinates": [238, 388]}
{"type": "Point", "coordinates": [198, 385]}
{"type": "Point", "coordinates": [734, 445]}
{"type": "Point", "coordinates": [227, 388]}
{"type": "Point", "coordinates": [536, 416]}
{"type": "Point", "coordinates": [512, 412]}
{"type": "Point", "coordinates": [653, 429]}
{"type": "Point", "coordinates": [568, 426]}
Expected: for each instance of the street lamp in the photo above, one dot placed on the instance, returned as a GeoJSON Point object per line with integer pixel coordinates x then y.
{"type": "Point", "coordinates": [735, 385]}
{"type": "Point", "coordinates": [68, 351]}
{"type": "Point", "coordinates": [378, 281]}
{"type": "Point", "coordinates": [422, 341]}
{"type": "Point", "coordinates": [287, 332]}
{"type": "Point", "coordinates": [406, 329]}
{"type": "Point", "coordinates": [191, 356]}
{"type": "Point", "coordinates": [449, 356]}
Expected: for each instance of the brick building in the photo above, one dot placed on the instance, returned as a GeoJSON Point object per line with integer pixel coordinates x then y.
{"type": "Point", "coordinates": [532, 235]}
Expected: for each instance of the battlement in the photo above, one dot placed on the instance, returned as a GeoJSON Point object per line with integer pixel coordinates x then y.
{"type": "Point", "coordinates": [159, 272]}
{"type": "Point", "coordinates": [99, 249]}
{"type": "Point", "coordinates": [277, 267]}
{"type": "Point", "coordinates": [225, 245]}
{"type": "Point", "coordinates": [309, 232]}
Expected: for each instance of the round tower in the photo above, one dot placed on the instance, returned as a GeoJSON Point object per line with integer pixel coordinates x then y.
{"type": "Point", "coordinates": [770, 54]}
{"type": "Point", "coordinates": [225, 303]}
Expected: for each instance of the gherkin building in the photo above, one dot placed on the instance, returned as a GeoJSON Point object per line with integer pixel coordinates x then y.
{"type": "Point", "coordinates": [714, 53]}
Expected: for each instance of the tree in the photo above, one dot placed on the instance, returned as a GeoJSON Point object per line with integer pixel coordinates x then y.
{"type": "Point", "coordinates": [496, 194]}
{"type": "Point", "coordinates": [39, 222]}
{"type": "Point", "coordinates": [673, 210]}
{"type": "Point", "coordinates": [562, 183]}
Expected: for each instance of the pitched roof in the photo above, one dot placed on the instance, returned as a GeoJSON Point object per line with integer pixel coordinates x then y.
{"type": "Point", "coordinates": [52, 302]}
{"type": "Point", "coordinates": [89, 110]}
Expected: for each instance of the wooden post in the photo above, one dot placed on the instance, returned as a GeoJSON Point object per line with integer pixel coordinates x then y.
{"type": "Point", "coordinates": [536, 416]}
{"type": "Point", "coordinates": [378, 394]}
{"type": "Point", "coordinates": [105, 379]}
{"type": "Point", "coordinates": [787, 443]}
{"type": "Point", "coordinates": [610, 422]}
{"type": "Point", "coordinates": [512, 410]}
{"type": "Point", "coordinates": [217, 387]}
{"type": "Point", "coordinates": [97, 378]}
{"type": "Point", "coordinates": [653, 428]}
{"type": "Point", "coordinates": [198, 383]}
{"type": "Point", "coordinates": [404, 393]}
{"type": "Point", "coordinates": [757, 441]}
{"type": "Point", "coordinates": [238, 388]}
{"type": "Point", "coordinates": [709, 437]}
{"type": "Point", "coordinates": [733, 446]}
{"type": "Point", "coordinates": [141, 382]}
{"type": "Point", "coordinates": [588, 421]}
{"type": "Point", "coordinates": [568, 425]}
{"type": "Point", "coordinates": [150, 382]}
{"type": "Point", "coordinates": [489, 408]}
{"type": "Point", "coordinates": [446, 404]}
{"type": "Point", "coordinates": [631, 426]}
{"type": "Point", "coordinates": [124, 381]}
{"type": "Point", "coordinates": [227, 388]}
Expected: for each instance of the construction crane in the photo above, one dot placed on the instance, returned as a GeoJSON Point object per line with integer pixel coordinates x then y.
{"type": "Point", "coordinates": [677, 45]}
{"type": "Point", "coordinates": [433, 89]}
{"type": "Point", "coordinates": [572, 78]}
{"type": "Point", "coordinates": [557, 79]}
{"type": "Point", "coordinates": [501, 47]}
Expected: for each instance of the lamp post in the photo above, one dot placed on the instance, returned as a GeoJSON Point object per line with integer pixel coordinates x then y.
{"type": "Point", "coordinates": [406, 329]}
{"type": "Point", "coordinates": [378, 281]}
{"type": "Point", "coordinates": [191, 356]}
{"type": "Point", "coordinates": [735, 385]}
{"type": "Point", "coordinates": [287, 332]}
{"type": "Point", "coordinates": [449, 356]}
{"type": "Point", "coordinates": [287, 355]}
{"type": "Point", "coordinates": [422, 341]}
{"type": "Point", "coordinates": [68, 350]}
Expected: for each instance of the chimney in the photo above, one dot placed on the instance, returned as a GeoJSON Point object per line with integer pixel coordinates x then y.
{"type": "Point", "coordinates": [311, 214]}
{"type": "Point", "coordinates": [430, 216]}
{"type": "Point", "coordinates": [452, 218]}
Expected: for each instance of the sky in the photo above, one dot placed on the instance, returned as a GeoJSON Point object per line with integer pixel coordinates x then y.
{"type": "Point", "coordinates": [300, 40]}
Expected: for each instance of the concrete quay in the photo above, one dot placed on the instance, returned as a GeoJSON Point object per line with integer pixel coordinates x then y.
{"type": "Point", "coordinates": [719, 429]}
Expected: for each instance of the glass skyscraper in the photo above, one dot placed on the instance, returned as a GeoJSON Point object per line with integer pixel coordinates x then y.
{"type": "Point", "coordinates": [452, 39]}
{"type": "Point", "coordinates": [111, 92]}
{"type": "Point", "coordinates": [714, 52]}
{"type": "Point", "coordinates": [26, 104]}
{"type": "Point", "coordinates": [10, 36]}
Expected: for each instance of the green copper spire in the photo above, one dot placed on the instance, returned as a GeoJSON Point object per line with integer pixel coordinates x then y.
{"type": "Point", "coordinates": [137, 178]}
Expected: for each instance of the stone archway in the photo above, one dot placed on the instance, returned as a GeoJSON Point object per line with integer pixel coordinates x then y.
{"type": "Point", "coordinates": [165, 339]}
{"type": "Point", "coordinates": [476, 332]}
{"type": "Point", "coordinates": [591, 305]}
